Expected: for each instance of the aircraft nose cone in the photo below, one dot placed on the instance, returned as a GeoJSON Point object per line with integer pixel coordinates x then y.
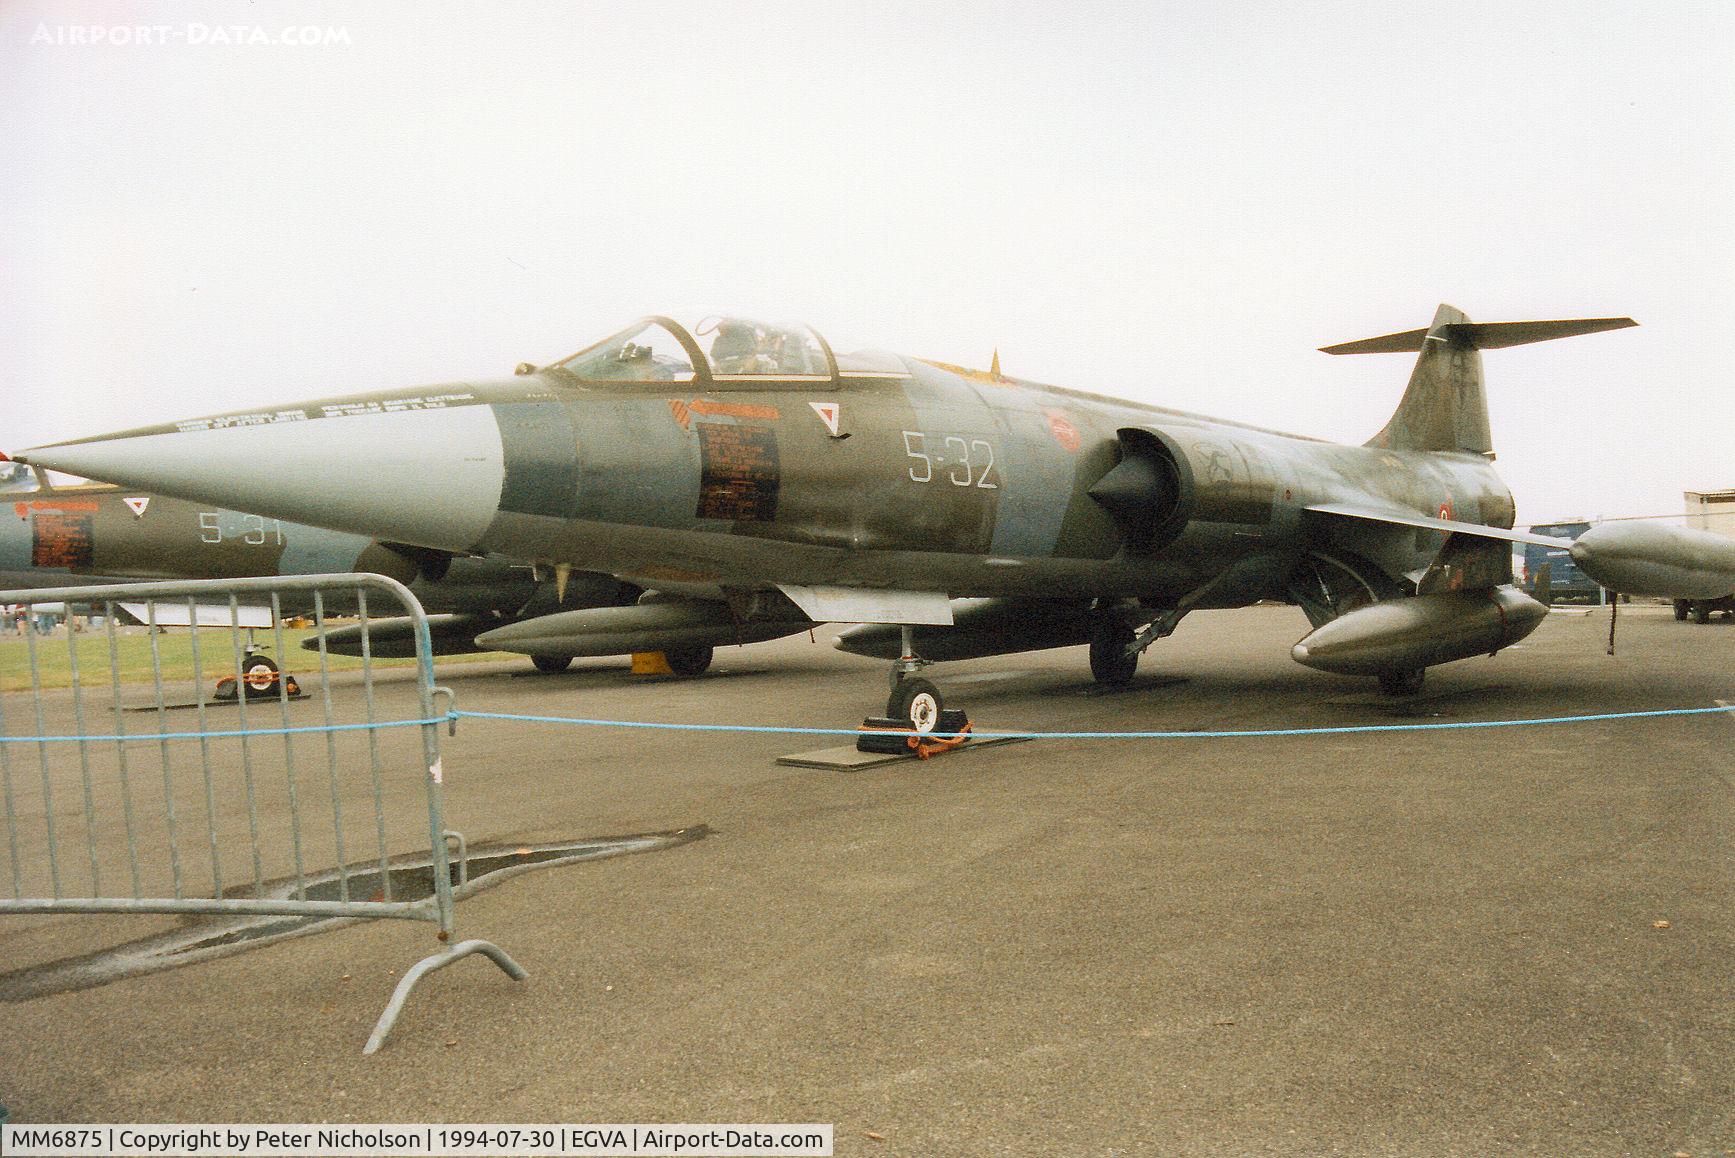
{"type": "Point", "coordinates": [425, 470]}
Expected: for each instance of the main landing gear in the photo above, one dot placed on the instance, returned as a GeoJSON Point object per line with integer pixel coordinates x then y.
{"type": "Point", "coordinates": [683, 661]}
{"type": "Point", "coordinates": [1115, 647]}
{"type": "Point", "coordinates": [1112, 658]}
{"type": "Point", "coordinates": [1403, 683]}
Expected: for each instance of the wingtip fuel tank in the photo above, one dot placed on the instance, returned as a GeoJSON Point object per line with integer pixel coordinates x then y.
{"type": "Point", "coordinates": [1651, 559]}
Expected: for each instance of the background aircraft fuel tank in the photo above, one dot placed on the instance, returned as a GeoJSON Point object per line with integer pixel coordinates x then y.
{"type": "Point", "coordinates": [980, 627]}
{"type": "Point", "coordinates": [395, 637]}
{"type": "Point", "coordinates": [1648, 559]}
{"type": "Point", "coordinates": [650, 626]}
{"type": "Point", "coordinates": [1400, 635]}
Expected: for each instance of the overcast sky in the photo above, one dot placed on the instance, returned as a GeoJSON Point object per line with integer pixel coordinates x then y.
{"type": "Point", "coordinates": [1175, 202]}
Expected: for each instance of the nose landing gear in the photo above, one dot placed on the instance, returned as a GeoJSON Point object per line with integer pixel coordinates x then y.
{"type": "Point", "coordinates": [915, 712]}
{"type": "Point", "coordinates": [259, 681]}
{"type": "Point", "coordinates": [915, 702]}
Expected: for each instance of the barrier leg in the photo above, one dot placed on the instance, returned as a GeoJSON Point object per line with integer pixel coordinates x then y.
{"type": "Point", "coordinates": [426, 966]}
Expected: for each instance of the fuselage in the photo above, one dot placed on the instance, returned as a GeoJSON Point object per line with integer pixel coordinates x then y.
{"type": "Point", "coordinates": [888, 472]}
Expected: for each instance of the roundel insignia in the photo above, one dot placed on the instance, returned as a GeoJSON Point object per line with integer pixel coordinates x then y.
{"type": "Point", "coordinates": [137, 505]}
{"type": "Point", "coordinates": [1218, 467]}
{"type": "Point", "coordinates": [1446, 510]}
{"type": "Point", "coordinates": [1063, 430]}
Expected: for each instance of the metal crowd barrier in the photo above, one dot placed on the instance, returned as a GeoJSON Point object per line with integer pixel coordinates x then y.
{"type": "Point", "coordinates": [205, 787]}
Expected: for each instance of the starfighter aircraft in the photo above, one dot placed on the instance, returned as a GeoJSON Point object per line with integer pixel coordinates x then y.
{"type": "Point", "coordinates": [753, 483]}
{"type": "Point", "coordinates": [74, 534]}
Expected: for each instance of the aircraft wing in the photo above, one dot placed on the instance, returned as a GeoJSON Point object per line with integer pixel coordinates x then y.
{"type": "Point", "coordinates": [174, 614]}
{"type": "Point", "coordinates": [1411, 519]}
{"type": "Point", "coordinates": [870, 605]}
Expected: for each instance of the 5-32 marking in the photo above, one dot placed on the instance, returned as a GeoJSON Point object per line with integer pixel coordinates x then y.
{"type": "Point", "coordinates": [968, 462]}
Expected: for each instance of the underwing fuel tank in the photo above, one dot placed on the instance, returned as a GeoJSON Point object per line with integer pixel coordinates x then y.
{"type": "Point", "coordinates": [1647, 559]}
{"type": "Point", "coordinates": [395, 637]}
{"type": "Point", "coordinates": [1401, 635]}
{"type": "Point", "coordinates": [651, 626]}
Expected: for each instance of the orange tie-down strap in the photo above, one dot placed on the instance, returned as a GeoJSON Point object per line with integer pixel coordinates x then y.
{"type": "Point", "coordinates": [924, 747]}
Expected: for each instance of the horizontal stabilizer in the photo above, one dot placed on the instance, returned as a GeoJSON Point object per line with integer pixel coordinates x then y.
{"type": "Point", "coordinates": [1481, 335]}
{"type": "Point", "coordinates": [1407, 519]}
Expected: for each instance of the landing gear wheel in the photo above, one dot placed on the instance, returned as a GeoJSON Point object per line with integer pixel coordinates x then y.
{"type": "Point", "coordinates": [1403, 683]}
{"type": "Point", "coordinates": [1682, 606]}
{"type": "Point", "coordinates": [260, 676]}
{"type": "Point", "coordinates": [1701, 612]}
{"type": "Point", "coordinates": [551, 664]}
{"type": "Point", "coordinates": [688, 661]}
{"type": "Point", "coordinates": [1109, 661]}
{"type": "Point", "coordinates": [917, 701]}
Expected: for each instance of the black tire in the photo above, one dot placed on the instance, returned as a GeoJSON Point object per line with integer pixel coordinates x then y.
{"type": "Point", "coordinates": [1403, 683]}
{"type": "Point", "coordinates": [259, 675]}
{"type": "Point", "coordinates": [916, 701]}
{"type": "Point", "coordinates": [551, 664]}
{"type": "Point", "coordinates": [1701, 612]}
{"type": "Point", "coordinates": [689, 661]}
{"type": "Point", "coordinates": [1109, 662]}
{"type": "Point", "coordinates": [1682, 606]}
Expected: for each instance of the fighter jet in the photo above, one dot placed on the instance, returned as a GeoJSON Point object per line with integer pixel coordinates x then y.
{"type": "Point", "coordinates": [76, 534]}
{"type": "Point", "coordinates": [753, 482]}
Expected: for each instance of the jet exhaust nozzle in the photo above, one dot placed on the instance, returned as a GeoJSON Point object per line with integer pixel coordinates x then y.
{"type": "Point", "coordinates": [1658, 560]}
{"type": "Point", "coordinates": [1409, 634]}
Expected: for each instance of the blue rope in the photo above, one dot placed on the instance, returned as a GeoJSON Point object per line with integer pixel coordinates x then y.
{"type": "Point", "coordinates": [777, 730]}
{"type": "Point", "coordinates": [1170, 735]}
{"type": "Point", "coordinates": [155, 736]}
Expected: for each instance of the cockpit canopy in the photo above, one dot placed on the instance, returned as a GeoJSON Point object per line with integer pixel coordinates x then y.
{"type": "Point", "coordinates": [17, 479]}
{"type": "Point", "coordinates": [716, 349]}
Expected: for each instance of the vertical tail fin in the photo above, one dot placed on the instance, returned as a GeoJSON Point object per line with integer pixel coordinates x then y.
{"type": "Point", "coordinates": [1445, 407]}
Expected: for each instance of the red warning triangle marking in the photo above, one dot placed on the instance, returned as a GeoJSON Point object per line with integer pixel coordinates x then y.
{"type": "Point", "coordinates": [138, 505]}
{"type": "Point", "coordinates": [828, 412]}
